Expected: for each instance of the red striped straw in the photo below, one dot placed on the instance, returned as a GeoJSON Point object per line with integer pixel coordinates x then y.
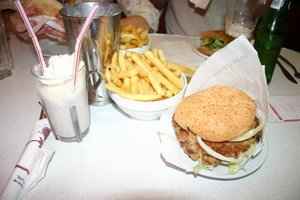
{"type": "Point", "coordinates": [32, 35]}
{"type": "Point", "coordinates": [79, 39]}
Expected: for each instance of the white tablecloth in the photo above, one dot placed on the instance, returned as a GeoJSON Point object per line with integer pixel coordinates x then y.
{"type": "Point", "coordinates": [120, 157]}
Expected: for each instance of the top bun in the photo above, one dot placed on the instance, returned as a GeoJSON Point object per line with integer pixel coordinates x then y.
{"type": "Point", "coordinates": [46, 7]}
{"type": "Point", "coordinates": [217, 114]}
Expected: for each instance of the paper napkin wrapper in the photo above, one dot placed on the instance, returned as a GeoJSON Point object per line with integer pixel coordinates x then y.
{"type": "Point", "coordinates": [236, 65]}
{"type": "Point", "coordinates": [33, 162]}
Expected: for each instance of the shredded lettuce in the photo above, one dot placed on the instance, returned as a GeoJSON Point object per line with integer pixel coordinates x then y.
{"type": "Point", "coordinates": [234, 167]}
{"type": "Point", "coordinates": [213, 44]}
{"type": "Point", "coordinates": [197, 168]}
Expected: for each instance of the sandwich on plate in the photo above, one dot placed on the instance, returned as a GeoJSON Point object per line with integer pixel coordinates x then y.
{"type": "Point", "coordinates": [220, 125]}
{"type": "Point", "coordinates": [212, 41]}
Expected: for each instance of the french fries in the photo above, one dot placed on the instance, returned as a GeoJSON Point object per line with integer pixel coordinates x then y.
{"type": "Point", "coordinates": [173, 66]}
{"type": "Point", "coordinates": [132, 37]}
{"type": "Point", "coordinates": [145, 77]}
{"type": "Point", "coordinates": [106, 46]}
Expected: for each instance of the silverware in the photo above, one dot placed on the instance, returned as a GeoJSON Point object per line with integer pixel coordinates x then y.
{"type": "Point", "coordinates": [296, 73]}
{"type": "Point", "coordinates": [286, 73]}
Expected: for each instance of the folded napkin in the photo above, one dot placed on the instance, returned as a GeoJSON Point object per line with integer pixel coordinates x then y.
{"type": "Point", "coordinates": [43, 20]}
{"type": "Point", "coordinates": [200, 3]}
{"type": "Point", "coordinates": [33, 162]}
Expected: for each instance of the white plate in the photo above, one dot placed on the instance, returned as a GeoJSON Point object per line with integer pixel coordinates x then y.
{"type": "Point", "coordinates": [195, 46]}
{"type": "Point", "coordinates": [169, 143]}
{"type": "Point", "coordinates": [50, 48]}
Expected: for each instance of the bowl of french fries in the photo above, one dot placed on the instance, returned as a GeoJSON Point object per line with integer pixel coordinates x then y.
{"type": "Point", "coordinates": [134, 39]}
{"type": "Point", "coordinates": [145, 85]}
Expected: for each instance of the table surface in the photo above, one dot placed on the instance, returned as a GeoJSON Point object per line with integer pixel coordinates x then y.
{"type": "Point", "coordinates": [120, 157]}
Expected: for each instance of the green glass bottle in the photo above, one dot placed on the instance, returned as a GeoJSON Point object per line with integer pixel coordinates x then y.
{"type": "Point", "coordinates": [270, 35]}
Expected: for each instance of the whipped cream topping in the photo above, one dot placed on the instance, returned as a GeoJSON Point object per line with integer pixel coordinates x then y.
{"type": "Point", "coordinates": [61, 66]}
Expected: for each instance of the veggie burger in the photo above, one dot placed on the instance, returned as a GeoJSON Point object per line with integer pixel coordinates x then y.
{"type": "Point", "coordinates": [220, 125]}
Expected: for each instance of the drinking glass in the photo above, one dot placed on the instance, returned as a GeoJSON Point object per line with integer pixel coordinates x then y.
{"type": "Point", "coordinates": [242, 17]}
{"type": "Point", "coordinates": [66, 105]}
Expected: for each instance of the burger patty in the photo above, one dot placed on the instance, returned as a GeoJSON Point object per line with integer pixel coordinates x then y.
{"type": "Point", "coordinates": [188, 141]}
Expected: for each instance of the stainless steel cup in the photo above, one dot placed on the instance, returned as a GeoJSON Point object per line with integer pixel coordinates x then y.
{"type": "Point", "coordinates": [99, 44]}
{"type": "Point", "coordinates": [6, 62]}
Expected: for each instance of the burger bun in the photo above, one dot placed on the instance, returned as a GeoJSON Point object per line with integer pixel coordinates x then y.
{"type": "Point", "coordinates": [217, 114]}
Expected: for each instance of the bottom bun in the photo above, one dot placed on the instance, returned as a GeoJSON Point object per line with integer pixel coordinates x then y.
{"type": "Point", "coordinates": [205, 51]}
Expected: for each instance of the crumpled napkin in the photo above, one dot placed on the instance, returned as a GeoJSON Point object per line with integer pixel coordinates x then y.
{"type": "Point", "coordinates": [200, 3]}
{"type": "Point", "coordinates": [33, 162]}
{"type": "Point", "coordinates": [44, 20]}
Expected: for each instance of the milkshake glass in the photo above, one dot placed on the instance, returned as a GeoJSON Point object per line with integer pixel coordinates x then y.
{"type": "Point", "coordinates": [66, 106]}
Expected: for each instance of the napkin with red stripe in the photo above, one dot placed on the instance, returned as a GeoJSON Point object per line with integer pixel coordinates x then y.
{"type": "Point", "coordinates": [33, 162]}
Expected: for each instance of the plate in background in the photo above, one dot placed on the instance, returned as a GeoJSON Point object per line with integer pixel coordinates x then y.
{"type": "Point", "coordinates": [195, 47]}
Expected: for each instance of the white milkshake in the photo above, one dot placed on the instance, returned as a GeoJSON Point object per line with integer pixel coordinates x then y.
{"type": "Point", "coordinates": [58, 94]}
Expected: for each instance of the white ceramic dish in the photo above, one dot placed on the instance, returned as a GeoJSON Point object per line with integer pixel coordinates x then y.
{"type": "Point", "coordinates": [148, 110]}
{"type": "Point", "coordinates": [195, 46]}
{"type": "Point", "coordinates": [50, 48]}
{"type": "Point", "coordinates": [167, 136]}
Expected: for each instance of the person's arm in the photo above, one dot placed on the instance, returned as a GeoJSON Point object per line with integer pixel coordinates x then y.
{"type": "Point", "coordinates": [17, 26]}
{"type": "Point", "coordinates": [140, 13]}
{"type": "Point", "coordinates": [14, 22]}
